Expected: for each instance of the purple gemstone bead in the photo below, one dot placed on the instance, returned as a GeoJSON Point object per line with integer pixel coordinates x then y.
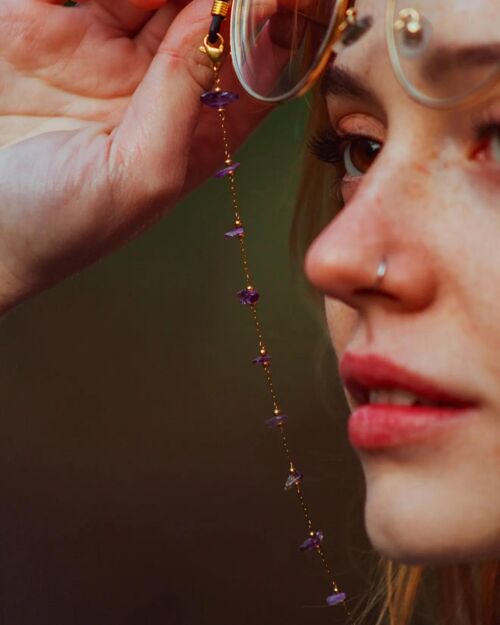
{"type": "Point", "coordinates": [236, 232]}
{"type": "Point", "coordinates": [293, 480]}
{"type": "Point", "coordinates": [230, 169]}
{"type": "Point", "coordinates": [276, 421]}
{"type": "Point", "coordinates": [248, 296]}
{"type": "Point", "coordinates": [313, 542]}
{"type": "Point", "coordinates": [264, 359]}
{"type": "Point", "coordinates": [337, 597]}
{"type": "Point", "coordinates": [218, 99]}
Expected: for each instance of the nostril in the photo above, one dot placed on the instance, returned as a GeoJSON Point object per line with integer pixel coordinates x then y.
{"type": "Point", "coordinates": [373, 292]}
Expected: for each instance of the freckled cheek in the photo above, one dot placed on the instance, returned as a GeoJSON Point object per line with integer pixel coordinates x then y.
{"type": "Point", "coordinates": [341, 321]}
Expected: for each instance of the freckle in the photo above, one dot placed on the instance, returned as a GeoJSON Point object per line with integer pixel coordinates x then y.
{"type": "Point", "coordinates": [422, 168]}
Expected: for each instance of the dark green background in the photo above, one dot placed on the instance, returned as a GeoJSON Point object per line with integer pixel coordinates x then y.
{"type": "Point", "coordinates": [138, 484]}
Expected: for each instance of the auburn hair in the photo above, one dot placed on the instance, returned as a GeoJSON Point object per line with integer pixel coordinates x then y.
{"type": "Point", "coordinates": [458, 594]}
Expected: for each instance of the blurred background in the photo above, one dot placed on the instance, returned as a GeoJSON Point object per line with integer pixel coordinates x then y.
{"type": "Point", "coordinates": [138, 484]}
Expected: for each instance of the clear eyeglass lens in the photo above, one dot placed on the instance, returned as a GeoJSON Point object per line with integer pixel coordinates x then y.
{"type": "Point", "coordinates": [275, 44]}
{"type": "Point", "coordinates": [443, 52]}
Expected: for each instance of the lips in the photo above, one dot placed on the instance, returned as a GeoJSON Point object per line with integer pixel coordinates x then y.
{"type": "Point", "coordinates": [395, 405]}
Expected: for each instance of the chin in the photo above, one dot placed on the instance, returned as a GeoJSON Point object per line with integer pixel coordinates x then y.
{"type": "Point", "coordinates": [404, 549]}
{"type": "Point", "coordinates": [417, 530]}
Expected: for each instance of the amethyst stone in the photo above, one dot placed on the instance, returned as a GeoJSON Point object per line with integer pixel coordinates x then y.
{"type": "Point", "coordinates": [313, 542]}
{"type": "Point", "coordinates": [337, 597]}
{"type": "Point", "coordinates": [236, 232]}
{"type": "Point", "coordinates": [264, 359]}
{"type": "Point", "coordinates": [218, 99]}
{"type": "Point", "coordinates": [226, 171]}
{"type": "Point", "coordinates": [248, 296]}
{"type": "Point", "coordinates": [293, 480]}
{"type": "Point", "coordinates": [276, 421]}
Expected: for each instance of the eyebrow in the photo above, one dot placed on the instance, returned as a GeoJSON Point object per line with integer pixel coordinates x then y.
{"type": "Point", "coordinates": [338, 81]}
{"type": "Point", "coordinates": [444, 58]}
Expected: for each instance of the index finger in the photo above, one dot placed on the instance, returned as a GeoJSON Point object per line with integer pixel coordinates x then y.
{"type": "Point", "coordinates": [129, 16]}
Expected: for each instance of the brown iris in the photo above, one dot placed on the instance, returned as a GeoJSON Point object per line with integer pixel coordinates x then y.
{"type": "Point", "coordinates": [359, 155]}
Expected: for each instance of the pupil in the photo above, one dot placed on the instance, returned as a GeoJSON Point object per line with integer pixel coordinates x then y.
{"type": "Point", "coordinates": [363, 153]}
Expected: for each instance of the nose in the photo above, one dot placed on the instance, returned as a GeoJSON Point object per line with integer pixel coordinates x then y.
{"type": "Point", "coordinates": [375, 250]}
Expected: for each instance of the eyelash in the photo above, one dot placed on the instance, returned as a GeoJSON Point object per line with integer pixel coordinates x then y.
{"type": "Point", "coordinates": [485, 130]}
{"type": "Point", "coordinates": [328, 146]}
{"type": "Point", "coordinates": [487, 125]}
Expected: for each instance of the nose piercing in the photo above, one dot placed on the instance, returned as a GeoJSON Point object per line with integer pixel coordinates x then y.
{"type": "Point", "coordinates": [381, 273]}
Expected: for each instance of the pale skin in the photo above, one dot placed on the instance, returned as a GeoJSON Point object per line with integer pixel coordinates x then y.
{"type": "Point", "coordinates": [429, 203]}
{"type": "Point", "coordinates": [101, 132]}
{"type": "Point", "coordinates": [101, 128]}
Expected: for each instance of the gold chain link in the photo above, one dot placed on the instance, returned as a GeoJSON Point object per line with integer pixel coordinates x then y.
{"type": "Point", "coordinates": [260, 337]}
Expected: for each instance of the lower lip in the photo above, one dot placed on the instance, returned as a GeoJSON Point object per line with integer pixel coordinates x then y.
{"type": "Point", "coordinates": [379, 426]}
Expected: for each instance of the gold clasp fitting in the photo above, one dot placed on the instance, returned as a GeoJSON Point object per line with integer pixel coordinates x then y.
{"type": "Point", "coordinates": [410, 22]}
{"type": "Point", "coordinates": [214, 52]}
{"type": "Point", "coordinates": [350, 20]}
{"type": "Point", "coordinates": [220, 7]}
{"type": "Point", "coordinates": [352, 28]}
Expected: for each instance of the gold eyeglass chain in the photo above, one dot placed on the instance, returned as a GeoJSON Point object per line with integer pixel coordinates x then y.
{"type": "Point", "coordinates": [213, 46]}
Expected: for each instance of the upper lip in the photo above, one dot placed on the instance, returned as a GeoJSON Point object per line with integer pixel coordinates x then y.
{"type": "Point", "coordinates": [363, 373]}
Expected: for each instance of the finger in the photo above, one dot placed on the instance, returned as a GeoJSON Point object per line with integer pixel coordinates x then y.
{"type": "Point", "coordinates": [242, 118]}
{"type": "Point", "coordinates": [153, 32]}
{"type": "Point", "coordinates": [150, 147]}
{"type": "Point", "coordinates": [127, 17]}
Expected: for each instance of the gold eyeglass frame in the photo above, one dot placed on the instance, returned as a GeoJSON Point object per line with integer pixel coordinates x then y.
{"type": "Point", "coordinates": [345, 13]}
{"type": "Point", "coordinates": [392, 21]}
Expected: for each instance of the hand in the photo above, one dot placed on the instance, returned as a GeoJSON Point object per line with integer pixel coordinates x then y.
{"type": "Point", "coordinates": [101, 128]}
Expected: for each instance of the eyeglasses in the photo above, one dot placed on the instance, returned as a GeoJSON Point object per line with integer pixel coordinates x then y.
{"type": "Point", "coordinates": [443, 53]}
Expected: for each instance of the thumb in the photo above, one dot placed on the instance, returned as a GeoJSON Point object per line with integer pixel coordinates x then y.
{"type": "Point", "coordinates": [150, 148]}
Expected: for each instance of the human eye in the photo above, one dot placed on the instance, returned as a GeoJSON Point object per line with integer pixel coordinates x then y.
{"type": "Point", "coordinates": [487, 145]}
{"type": "Point", "coordinates": [354, 153]}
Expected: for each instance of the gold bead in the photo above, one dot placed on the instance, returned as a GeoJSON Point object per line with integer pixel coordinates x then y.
{"type": "Point", "coordinates": [228, 161]}
{"type": "Point", "coordinates": [413, 28]}
{"type": "Point", "coordinates": [276, 411]}
{"type": "Point", "coordinates": [237, 222]}
{"type": "Point", "coordinates": [263, 350]}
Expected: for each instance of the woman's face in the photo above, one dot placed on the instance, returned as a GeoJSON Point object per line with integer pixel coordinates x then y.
{"type": "Point", "coordinates": [419, 349]}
